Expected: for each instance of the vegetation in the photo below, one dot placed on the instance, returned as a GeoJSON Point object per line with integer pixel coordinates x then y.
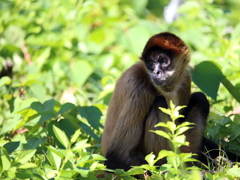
{"type": "Point", "coordinates": [60, 61]}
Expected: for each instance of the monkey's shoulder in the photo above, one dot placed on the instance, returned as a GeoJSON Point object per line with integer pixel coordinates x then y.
{"type": "Point", "coordinates": [136, 78]}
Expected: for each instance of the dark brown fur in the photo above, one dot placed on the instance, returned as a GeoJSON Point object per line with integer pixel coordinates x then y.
{"type": "Point", "coordinates": [133, 109]}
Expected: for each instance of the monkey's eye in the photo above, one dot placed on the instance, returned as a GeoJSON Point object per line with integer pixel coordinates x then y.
{"type": "Point", "coordinates": [165, 62]}
{"type": "Point", "coordinates": [150, 65]}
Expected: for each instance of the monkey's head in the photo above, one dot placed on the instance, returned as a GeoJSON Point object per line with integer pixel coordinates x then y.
{"type": "Point", "coordinates": [166, 58]}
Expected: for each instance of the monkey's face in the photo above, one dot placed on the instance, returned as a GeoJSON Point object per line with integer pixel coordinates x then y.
{"type": "Point", "coordinates": [159, 65]}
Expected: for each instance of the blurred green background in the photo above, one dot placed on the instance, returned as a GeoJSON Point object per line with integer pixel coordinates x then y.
{"type": "Point", "coordinates": [59, 56]}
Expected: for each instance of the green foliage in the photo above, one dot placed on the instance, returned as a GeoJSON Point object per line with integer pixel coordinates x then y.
{"type": "Point", "coordinates": [59, 62]}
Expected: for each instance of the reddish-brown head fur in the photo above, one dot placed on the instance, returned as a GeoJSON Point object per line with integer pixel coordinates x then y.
{"type": "Point", "coordinates": [166, 41]}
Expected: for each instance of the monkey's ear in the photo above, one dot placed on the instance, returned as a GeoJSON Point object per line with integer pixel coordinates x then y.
{"type": "Point", "coordinates": [165, 41]}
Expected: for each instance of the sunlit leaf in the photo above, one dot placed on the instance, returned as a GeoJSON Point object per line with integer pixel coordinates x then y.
{"type": "Point", "coordinates": [61, 136]}
{"type": "Point", "coordinates": [235, 172]}
{"type": "Point", "coordinates": [24, 156]}
{"type": "Point", "coordinates": [162, 133]}
{"type": "Point", "coordinates": [80, 71]}
{"type": "Point", "coordinates": [5, 80]}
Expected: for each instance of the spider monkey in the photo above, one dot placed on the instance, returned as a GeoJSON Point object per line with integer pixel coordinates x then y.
{"type": "Point", "coordinates": [162, 75]}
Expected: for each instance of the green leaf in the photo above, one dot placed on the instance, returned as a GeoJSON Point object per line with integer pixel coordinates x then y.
{"type": "Point", "coordinates": [150, 159]}
{"type": "Point", "coordinates": [180, 139]}
{"type": "Point", "coordinates": [27, 166]}
{"type": "Point", "coordinates": [75, 136]}
{"type": "Point", "coordinates": [11, 123]}
{"type": "Point", "coordinates": [81, 145]}
{"type": "Point", "coordinates": [56, 151]}
{"type": "Point", "coordinates": [182, 130]}
{"type": "Point", "coordinates": [66, 107]}
{"type": "Point", "coordinates": [162, 133]}
{"type": "Point", "coordinates": [24, 156]}
{"type": "Point", "coordinates": [134, 171]}
{"type": "Point", "coordinates": [45, 116]}
{"type": "Point", "coordinates": [80, 71]}
{"type": "Point", "coordinates": [37, 106]}
{"type": "Point", "coordinates": [54, 159]}
{"type": "Point", "coordinates": [27, 115]}
{"type": "Point", "coordinates": [5, 80]}
{"type": "Point", "coordinates": [232, 89]}
{"type": "Point", "coordinates": [235, 172]}
{"type": "Point", "coordinates": [39, 91]}
{"type": "Point", "coordinates": [88, 130]}
{"type": "Point", "coordinates": [5, 161]}
{"type": "Point", "coordinates": [33, 143]}
{"type": "Point", "coordinates": [61, 136]}
{"type": "Point", "coordinates": [49, 105]}
{"type": "Point", "coordinates": [65, 125]}
{"type": "Point", "coordinates": [165, 153]}
{"type": "Point", "coordinates": [92, 114]}
{"type": "Point", "coordinates": [11, 146]}
{"type": "Point", "coordinates": [207, 76]}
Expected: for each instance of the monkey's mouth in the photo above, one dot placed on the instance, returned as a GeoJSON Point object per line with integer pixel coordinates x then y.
{"type": "Point", "coordinates": [160, 81]}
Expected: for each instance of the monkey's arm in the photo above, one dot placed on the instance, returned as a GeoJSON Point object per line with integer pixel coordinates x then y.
{"type": "Point", "coordinates": [130, 103]}
{"type": "Point", "coordinates": [210, 151]}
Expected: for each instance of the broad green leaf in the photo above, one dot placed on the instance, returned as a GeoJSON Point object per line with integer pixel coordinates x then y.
{"type": "Point", "coordinates": [134, 171]}
{"type": "Point", "coordinates": [37, 106]}
{"type": "Point", "coordinates": [162, 124]}
{"type": "Point", "coordinates": [83, 171]}
{"type": "Point", "coordinates": [135, 38]}
{"type": "Point", "coordinates": [66, 107]}
{"type": "Point", "coordinates": [11, 146]}
{"type": "Point", "coordinates": [56, 151]}
{"type": "Point", "coordinates": [173, 160]}
{"type": "Point", "coordinates": [27, 115]}
{"type": "Point", "coordinates": [46, 115]}
{"type": "Point", "coordinates": [182, 130]}
{"type": "Point", "coordinates": [11, 123]}
{"type": "Point", "coordinates": [33, 143]}
{"type": "Point", "coordinates": [235, 172]}
{"type": "Point", "coordinates": [27, 166]}
{"type": "Point", "coordinates": [90, 158]}
{"type": "Point", "coordinates": [150, 159]}
{"type": "Point", "coordinates": [207, 76]}
{"type": "Point", "coordinates": [165, 153]}
{"type": "Point", "coordinates": [88, 130]}
{"type": "Point", "coordinates": [5, 161]}
{"type": "Point", "coordinates": [5, 80]}
{"type": "Point", "coordinates": [24, 156]}
{"type": "Point", "coordinates": [54, 159]}
{"type": "Point", "coordinates": [39, 91]}
{"type": "Point", "coordinates": [80, 71]}
{"type": "Point", "coordinates": [181, 139]}
{"type": "Point", "coordinates": [162, 133]}
{"type": "Point", "coordinates": [92, 114]}
{"type": "Point", "coordinates": [61, 136]}
{"type": "Point", "coordinates": [196, 175]}
{"type": "Point", "coordinates": [49, 105]}
{"type": "Point", "coordinates": [81, 145]}
{"type": "Point", "coordinates": [75, 136]}
{"type": "Point", "coordinates": [232, 89]}
{"type": "Point", "coordinates": [67, 127]}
